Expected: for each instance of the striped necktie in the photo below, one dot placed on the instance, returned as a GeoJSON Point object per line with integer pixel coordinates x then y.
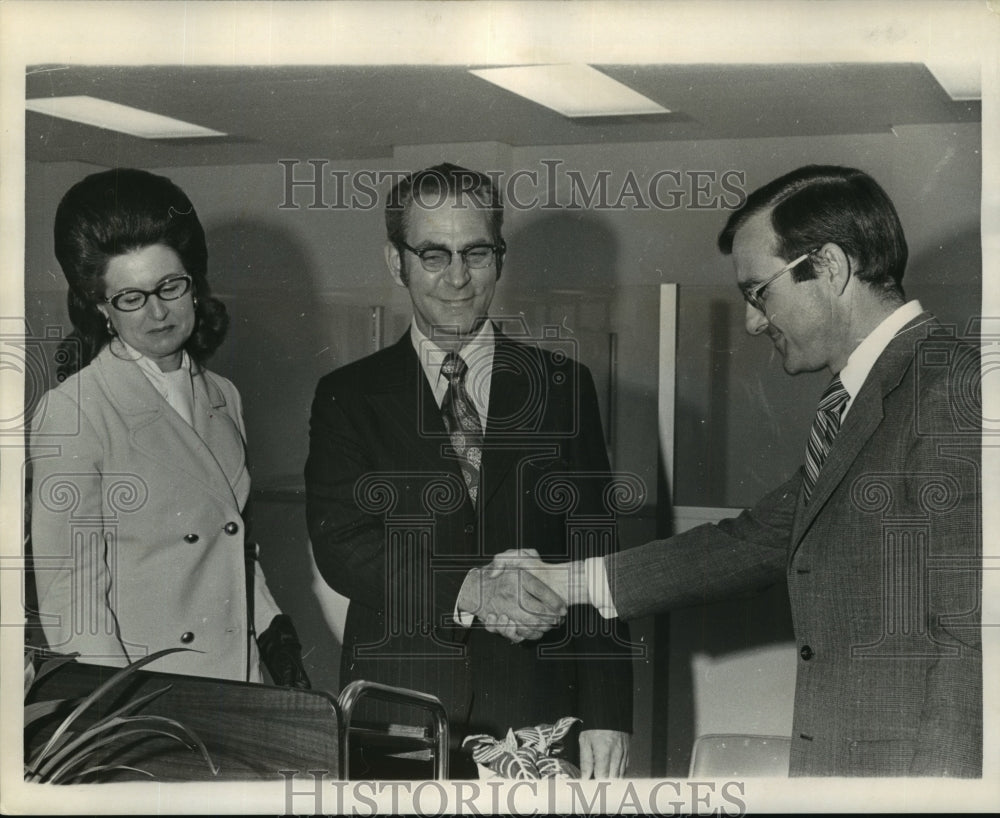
{"type": "Point", "coordinates": [824, 430]}
{"type": "Point", "coordinates": [461, 419]}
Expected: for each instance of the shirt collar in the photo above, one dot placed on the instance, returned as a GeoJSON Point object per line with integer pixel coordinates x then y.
{"type": "Point", "coordinates": [861, 361]}
{"type": "Point", "coordinates": [477, 354]}
{"type": "Point", "coordinates": [175, 387]}
{"type": "Point", "coordinates": [432, 356]}
{"type": "Point", "coordinates": [150, 367]}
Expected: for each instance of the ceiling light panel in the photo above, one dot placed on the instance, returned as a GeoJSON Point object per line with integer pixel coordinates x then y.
{"type": "Point", "coordinates": [961, 80]}
{"type": "Point", "coordinates": [573, 90]}
{"type": "Point", "coordinates": [115, 117]}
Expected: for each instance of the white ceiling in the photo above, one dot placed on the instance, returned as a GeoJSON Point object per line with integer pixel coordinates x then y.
{"type": "Point", "coordinates": [357, 112]}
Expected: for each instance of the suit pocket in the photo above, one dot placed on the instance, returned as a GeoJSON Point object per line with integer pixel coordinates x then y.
{"type": "Point", "coordinates": [883, 757]}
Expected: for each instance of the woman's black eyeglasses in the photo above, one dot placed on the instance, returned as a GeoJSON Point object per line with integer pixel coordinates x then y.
{"type": "Point", "coordinates": [170, 289]}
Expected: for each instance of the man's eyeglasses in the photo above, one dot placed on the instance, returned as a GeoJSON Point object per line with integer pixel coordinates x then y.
{"type": "Point", "coordinates": [753, 294]}
{"type": "Point", "coordinates": [170, 289]}
{"type": "Point", "coordinates": [475, 257]}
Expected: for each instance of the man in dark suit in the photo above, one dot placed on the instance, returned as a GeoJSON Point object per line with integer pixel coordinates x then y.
{"type": "Point", "coordinates": [423, 466]}
{"type": "Point", "coordinates": [878, 535]}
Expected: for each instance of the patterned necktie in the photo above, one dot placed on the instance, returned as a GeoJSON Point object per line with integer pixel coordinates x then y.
{"type": "Point", "coordinates": [462, 422]}
{"type": "Point", "coordinates": [824, 430]}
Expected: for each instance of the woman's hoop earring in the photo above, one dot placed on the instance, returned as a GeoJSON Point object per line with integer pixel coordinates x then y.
{"type": "Point", "coordinates": [111, 329]}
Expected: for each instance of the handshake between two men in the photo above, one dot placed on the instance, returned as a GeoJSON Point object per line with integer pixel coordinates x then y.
{"type": "Point", "coordinates": [520, 597]}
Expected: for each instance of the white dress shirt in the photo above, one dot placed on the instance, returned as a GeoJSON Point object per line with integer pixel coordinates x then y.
{"type": "Point", "coordinates": [478, 356]}
{"type": "Point", "coordinates": [853, 376]}
{"type": "Point", "coordinates": [861, 361]}
{"type": "Point", "coordinates": [175, 387]}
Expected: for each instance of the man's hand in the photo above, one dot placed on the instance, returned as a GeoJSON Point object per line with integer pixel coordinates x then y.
{"type": "Point", "coordinates": [567, 580]}
{"type": "Point", "coordinates": [603, 753]}
{"type": "Point", "coordinates": [511, 601]}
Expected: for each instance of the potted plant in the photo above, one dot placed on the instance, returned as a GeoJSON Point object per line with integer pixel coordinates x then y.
{"type": "Point", "coordinates": [75, 753]}
{"type": "Point", "coordinates": [528, 753]}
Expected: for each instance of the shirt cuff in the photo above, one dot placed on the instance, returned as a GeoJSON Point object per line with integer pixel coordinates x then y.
{"type": "Point", "coordinates": [599, 588]}
{"type": "Point", "coordinates": [464, 618]}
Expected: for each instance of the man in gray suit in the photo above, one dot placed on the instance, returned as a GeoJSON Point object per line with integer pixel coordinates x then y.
{"type": "Point", "coordinates": [878, 535]}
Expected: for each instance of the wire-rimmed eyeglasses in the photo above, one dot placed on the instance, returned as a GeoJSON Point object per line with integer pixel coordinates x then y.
{"type": "Point", "coordinates": [475, 257]}
{"type": "Point", "coordinates": [752, 295]}
{"type": "Point", "coordinates": [170, 289]}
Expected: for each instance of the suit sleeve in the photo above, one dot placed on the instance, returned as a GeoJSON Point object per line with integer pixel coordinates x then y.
{"type": "Point", "coordinates": [707, 563]}
{"type": "Point", "coordinates": [349, 543]}
{"type": "Point", "coordinates": [604, 671]}
{"type": "Point", "coordinates": [950, 734]}
{"type": "Point", "coordinates": [66, 461]}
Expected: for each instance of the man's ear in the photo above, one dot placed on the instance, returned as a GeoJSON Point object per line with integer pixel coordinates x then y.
{"type": "Point", "coordinates": [394, 262]}
{"type": "Point", "coordinates": [833, 265]}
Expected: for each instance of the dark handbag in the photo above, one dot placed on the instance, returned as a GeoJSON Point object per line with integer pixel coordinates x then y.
{"type": "Point", "coordinates": [279, 645]}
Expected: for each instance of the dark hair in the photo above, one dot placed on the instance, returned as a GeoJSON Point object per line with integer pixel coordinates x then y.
{"type": "Point", "coordinates": [115, 212]}
{"type": "Point", "coordinates": [817, 204]}
{"type": "Point", "coordinates": [432, 187]}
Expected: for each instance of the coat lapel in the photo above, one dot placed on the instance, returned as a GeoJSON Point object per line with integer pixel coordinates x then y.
{"type": "Point", "coordinates": [162, 434]}
{"type": "Point", "coordinates": [866, 415]}
{"type": "Point", "coordinates": [516, 398]}
{"type": "Point", "coordinates": [223, 438]}
{"type": "Point", "coordinates": [401, 392]}
{"type": "Point", "coordinates": [402, 397]}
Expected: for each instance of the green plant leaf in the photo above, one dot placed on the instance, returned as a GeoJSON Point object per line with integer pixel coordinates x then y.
{"type": "Point", "coordinates": [39, 710]}
{"type": "Point", "coordinates": [72, 743]}
{"type": "Point", "coordinates": [38, 759]}
{"type": "Point", "coordinates": [89, 739]}
{"type": "Point", "coordinates": [488, 753]}
{"type": "Point", "coordinates": [562, 727]}
{"type": "Point", "coordinates": [519, 767]}
{"type": "Point", "coordinates": [85, 751]}
{"type": "Point", "coordinates": [534, 736]}
{"type": "Point", "coordinates": [29, 670]}
{"type": "Point", "coordinates": [196, 741]}
{"type": "Point", "coordinates": [557, 768]}
{"type": "Point", "coordinates": [50, 665]}
{"type": "Point", "coordinates": [479, 738]}
{"type": "Point", "coordinates": [117, 678]}
{"type": "Point", "coordinates": [102, 768]}
{"type": "Point", "coordinates": [129, 708]}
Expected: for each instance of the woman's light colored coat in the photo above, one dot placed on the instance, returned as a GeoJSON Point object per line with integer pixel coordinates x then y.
{"type": "Point", "coordinates": [137, 532]}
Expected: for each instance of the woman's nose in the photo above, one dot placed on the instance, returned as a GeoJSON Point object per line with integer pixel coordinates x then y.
{"type": "Point", "coordinates": [157, 308]}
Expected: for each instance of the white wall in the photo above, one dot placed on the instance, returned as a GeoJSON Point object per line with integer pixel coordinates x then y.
{"type": "Point", "coordinates": [299, 284]}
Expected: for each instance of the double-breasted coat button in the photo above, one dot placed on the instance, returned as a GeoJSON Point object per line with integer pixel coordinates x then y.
{"type": "Point", "coordinates": [470, 528]}
{"type": "Point", "coordinates": [190, 538]}
{"type": "Point", "coordinates": [806, 653]}
{"type": "Point", "coordinates": [231, 528]}
{"type": "Point", "coordinates": [187, 637]}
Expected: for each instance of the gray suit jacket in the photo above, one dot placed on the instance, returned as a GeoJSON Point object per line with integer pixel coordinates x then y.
{"type": "Point", "coordinates": [136, 524]}
{"type": "Point", "coordinates": [883, 568]}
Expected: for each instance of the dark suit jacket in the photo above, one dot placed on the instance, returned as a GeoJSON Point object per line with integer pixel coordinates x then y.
{"type": "Point", "coordinates": [392, 528]}
{"type": "Point", "coordinates": [883, 568]}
